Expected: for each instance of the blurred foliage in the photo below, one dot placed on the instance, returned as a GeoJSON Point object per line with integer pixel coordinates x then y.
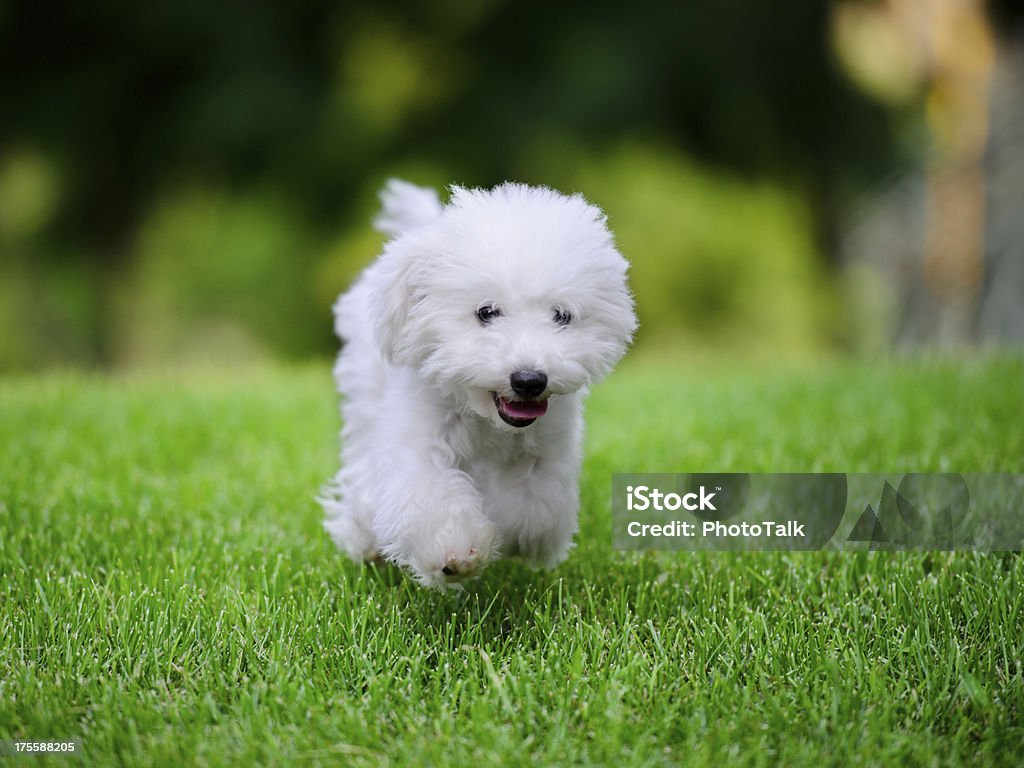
{"type": "Point", "coordinates": [216, 272]}
{"type": "Point", "coordinates": [718, 262]}
{"type": "Point", "coordinates": [195, 181]}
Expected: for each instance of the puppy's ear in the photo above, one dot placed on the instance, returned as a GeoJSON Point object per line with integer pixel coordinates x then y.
{"type": "Point", "coordinates": [393, 298]}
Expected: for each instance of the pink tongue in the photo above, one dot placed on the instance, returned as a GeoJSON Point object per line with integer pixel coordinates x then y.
{"type": "Point", "coordinates": [525, 409]}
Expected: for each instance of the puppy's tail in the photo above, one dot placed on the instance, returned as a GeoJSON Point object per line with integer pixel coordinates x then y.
{"type": "Point", "coordinates": [405, 207]}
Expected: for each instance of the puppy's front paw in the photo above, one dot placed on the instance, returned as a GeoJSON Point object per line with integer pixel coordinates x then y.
{"type": "Point", "coordinates": [459, 548]}
{"type": "Point", "coordinates": [462, 565]}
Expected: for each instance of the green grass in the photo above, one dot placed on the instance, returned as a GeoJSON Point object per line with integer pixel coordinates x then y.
{"type": "Point", "coordinates": [167, 595]}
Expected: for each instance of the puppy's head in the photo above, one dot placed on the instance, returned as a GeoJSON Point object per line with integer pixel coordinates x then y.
{"type": "Point", "coordinates": [507, 298]}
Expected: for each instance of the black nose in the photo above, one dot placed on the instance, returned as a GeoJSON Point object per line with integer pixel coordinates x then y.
{"type": "Point", "coordinates": [528, 384]}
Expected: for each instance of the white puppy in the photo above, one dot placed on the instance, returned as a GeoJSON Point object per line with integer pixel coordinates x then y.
{"type": "Point", "coordinates": [467, 350]}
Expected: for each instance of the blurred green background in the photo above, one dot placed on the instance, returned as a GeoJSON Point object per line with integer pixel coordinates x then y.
{"type": "Point", "coordinates": [193, 182]}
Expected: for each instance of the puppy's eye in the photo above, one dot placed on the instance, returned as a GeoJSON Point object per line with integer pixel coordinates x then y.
{"type": "Point", "coordinates": [563, 316]}
{"type": "Point", "coordinates": [487, 312]}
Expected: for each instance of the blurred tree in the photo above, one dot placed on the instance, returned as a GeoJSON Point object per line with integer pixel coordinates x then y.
{"type": "Point", "coordinates": [939, 245]}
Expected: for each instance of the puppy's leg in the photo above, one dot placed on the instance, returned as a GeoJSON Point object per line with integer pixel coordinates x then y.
{"type": "Point", "coordinates": [348, 513]}
{"type": "Point", "coordinates": [429, 520]}
{"type": "Point", "coordinates": [545, 516]}
{"type": "Point", "coordinates": [348, 500]}
{"type": "Point", "coordinates": [535, 503]}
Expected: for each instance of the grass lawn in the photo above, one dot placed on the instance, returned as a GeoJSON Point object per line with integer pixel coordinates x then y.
{"type": "Point", "coordinates": [167, 595]}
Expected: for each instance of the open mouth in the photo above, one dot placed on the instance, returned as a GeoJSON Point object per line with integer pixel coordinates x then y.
{"type": "Point", "coordinates": [519, 413]}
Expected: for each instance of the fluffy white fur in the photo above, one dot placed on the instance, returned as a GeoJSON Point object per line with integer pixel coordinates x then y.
{"type": "Point", "coordinates": [432, 477]}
